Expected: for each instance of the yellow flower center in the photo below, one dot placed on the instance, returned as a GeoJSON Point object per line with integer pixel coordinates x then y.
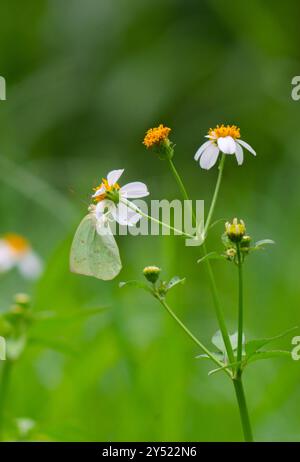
{"type": "Point", "coordinates": [220, 131]}
{"type": "Point", "coordinates": [17, 243]}
{"type": "Point", "coordinates": [108, 188]}
{"type": "Point", "coordinates": [156, 135]}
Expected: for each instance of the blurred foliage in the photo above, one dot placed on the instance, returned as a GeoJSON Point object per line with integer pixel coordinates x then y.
{"type": "Point", "coordinates": [84, 82]}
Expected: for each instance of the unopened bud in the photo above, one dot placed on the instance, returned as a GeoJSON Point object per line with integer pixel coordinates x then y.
{"type": "Point", "coordinates": [235, 230]}
{"type": "Point", "coordinates": [151, 273]}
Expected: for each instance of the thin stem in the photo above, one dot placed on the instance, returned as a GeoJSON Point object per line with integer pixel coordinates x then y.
{"type": "Point", "coordinates": [237, 381]}
{"type": "Point", "coordinates": [212, 282]}
{"type": "Point", "coordinates": [244, 415]}
{"type": "Point", "coordinates": [215, 195]}
{"type": "Point", "coordinates": [131, 206]}
{"type": "Point", "coordinates": [218, 309]}
{"type": "Point", "coordinates": [183, 190]}
{"type": "Point", "coordinates": [240, 305]}
{"type": "Point", "coordinates": [189, 333]}
{"type": "Point", "coordinates": [5, 377]}
{"type": "Point", "coordinates": [179, 180]}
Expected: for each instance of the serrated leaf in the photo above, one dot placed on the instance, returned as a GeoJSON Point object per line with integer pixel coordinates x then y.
{"type": "Point", "coordinates": [174, 282]}
{"type": "Point", "coordinates": [259, 355]}
{"type": "Point", "coordinates": [94, 251]}
{"type": "Point", "coordinates": [253, 345]}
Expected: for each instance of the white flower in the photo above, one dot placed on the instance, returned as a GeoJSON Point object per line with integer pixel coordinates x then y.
{"type": "Point", "coordinates": [225, 139]}
{"type": "Point", "coordinates": [15, 251]}
{"type": "Point", "coordinates": [109, 200]}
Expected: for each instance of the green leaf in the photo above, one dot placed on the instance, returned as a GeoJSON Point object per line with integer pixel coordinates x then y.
{"type": "Point", "coordinates": [264, 242]}
{"type": "Point", "coordinates": [253, 345]}
{"type": "Point", "coordinates": [94, 254]}
{"type": "Point", "coordinates": [174, 282]}
{"type": "Point", "coordinates": [137, 284]}
{"type": "Point", "coordinates": [218, 341]}
{"type": "Point", "coordinates": [259, 355]}
{"type": "Point", "coordinates": [211, 256]}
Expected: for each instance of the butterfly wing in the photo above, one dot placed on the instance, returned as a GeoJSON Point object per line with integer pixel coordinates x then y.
{"type": "Point", "coordinates": [94, 254]}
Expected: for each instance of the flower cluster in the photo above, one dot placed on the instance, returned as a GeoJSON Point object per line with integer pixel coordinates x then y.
{"type": "Point", "coordinates": [156, 135]}
{"type": "Point", "coordinates": [157, 138]}
{"type": "Point", "coordinates": [237, 243]}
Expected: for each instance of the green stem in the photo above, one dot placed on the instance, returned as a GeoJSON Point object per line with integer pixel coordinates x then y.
{"type": "Point", "coordinates": [241, 399]}
{"type": "Point", "coordinates": [133, 207]}
{"type": "Point", "coordinates": [189, 333]}
{"type": "Point", "coordinates": [210, 273]}
{"type": "Point", "coordinates": [218, 309]}
{"type": "Point", "coordinates": [240, 305]}
{"type": "Point", "coordinates": [183, 190]}
{"type": "Point", "coordinates": [5, 377]}
{"type": "Point", "coordinates": [179, 180]}
{"type": "Point", "coordinates": [215, 195]}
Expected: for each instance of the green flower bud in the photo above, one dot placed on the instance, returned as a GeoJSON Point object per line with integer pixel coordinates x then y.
{"type": "Point", "coordinates": [230, 253]}
{"type": "Point", "coordinates": [22, 300]}
{"type": "Point", "coordinates": [245, 242]}
{"type": "Point", "coordinates": [151, 273]}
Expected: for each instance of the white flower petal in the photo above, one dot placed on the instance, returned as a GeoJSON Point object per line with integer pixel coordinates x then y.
{"type": "Point", "coordinates": [126, 216]}
{"type": "Point", "coordinates": [201, 150]}
{"type": "Point", "coordinates": [135, 190]}
{"type": "Point", "coordinates": [99, 191]}
{"type": "Point", "coordinates": [113, 176]}
{"type": "Point", "coordinates": [104, 206]}
{"type": "Point", "coordinates": [227, 144]}
{"type": "Point", "coordinates": [7, 256]}
{"type": "Point", "coordinates": [30, 265]}
{"type": "Point", "coordinates": [105, 212]}
{"type": "Point", "coordinates": [133, 218]}
{"type": "Point", "coordinates": [247, 146]}
{"type": "Point", "coordinates": [209, 157]}
{"type": "Point", "coordinates": [239, 154]}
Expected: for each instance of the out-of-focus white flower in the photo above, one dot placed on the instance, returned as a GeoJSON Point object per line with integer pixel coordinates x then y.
{"type": "Point", "coordinates": [15, 251]}
{"type": "Point", "coordinates": [225, 139]}
{"type": "Point", "coordinates": [108, 196]}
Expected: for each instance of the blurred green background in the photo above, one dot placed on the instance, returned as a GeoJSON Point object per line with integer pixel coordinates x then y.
{"type": "Point", "coordinates": [85, 79]}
